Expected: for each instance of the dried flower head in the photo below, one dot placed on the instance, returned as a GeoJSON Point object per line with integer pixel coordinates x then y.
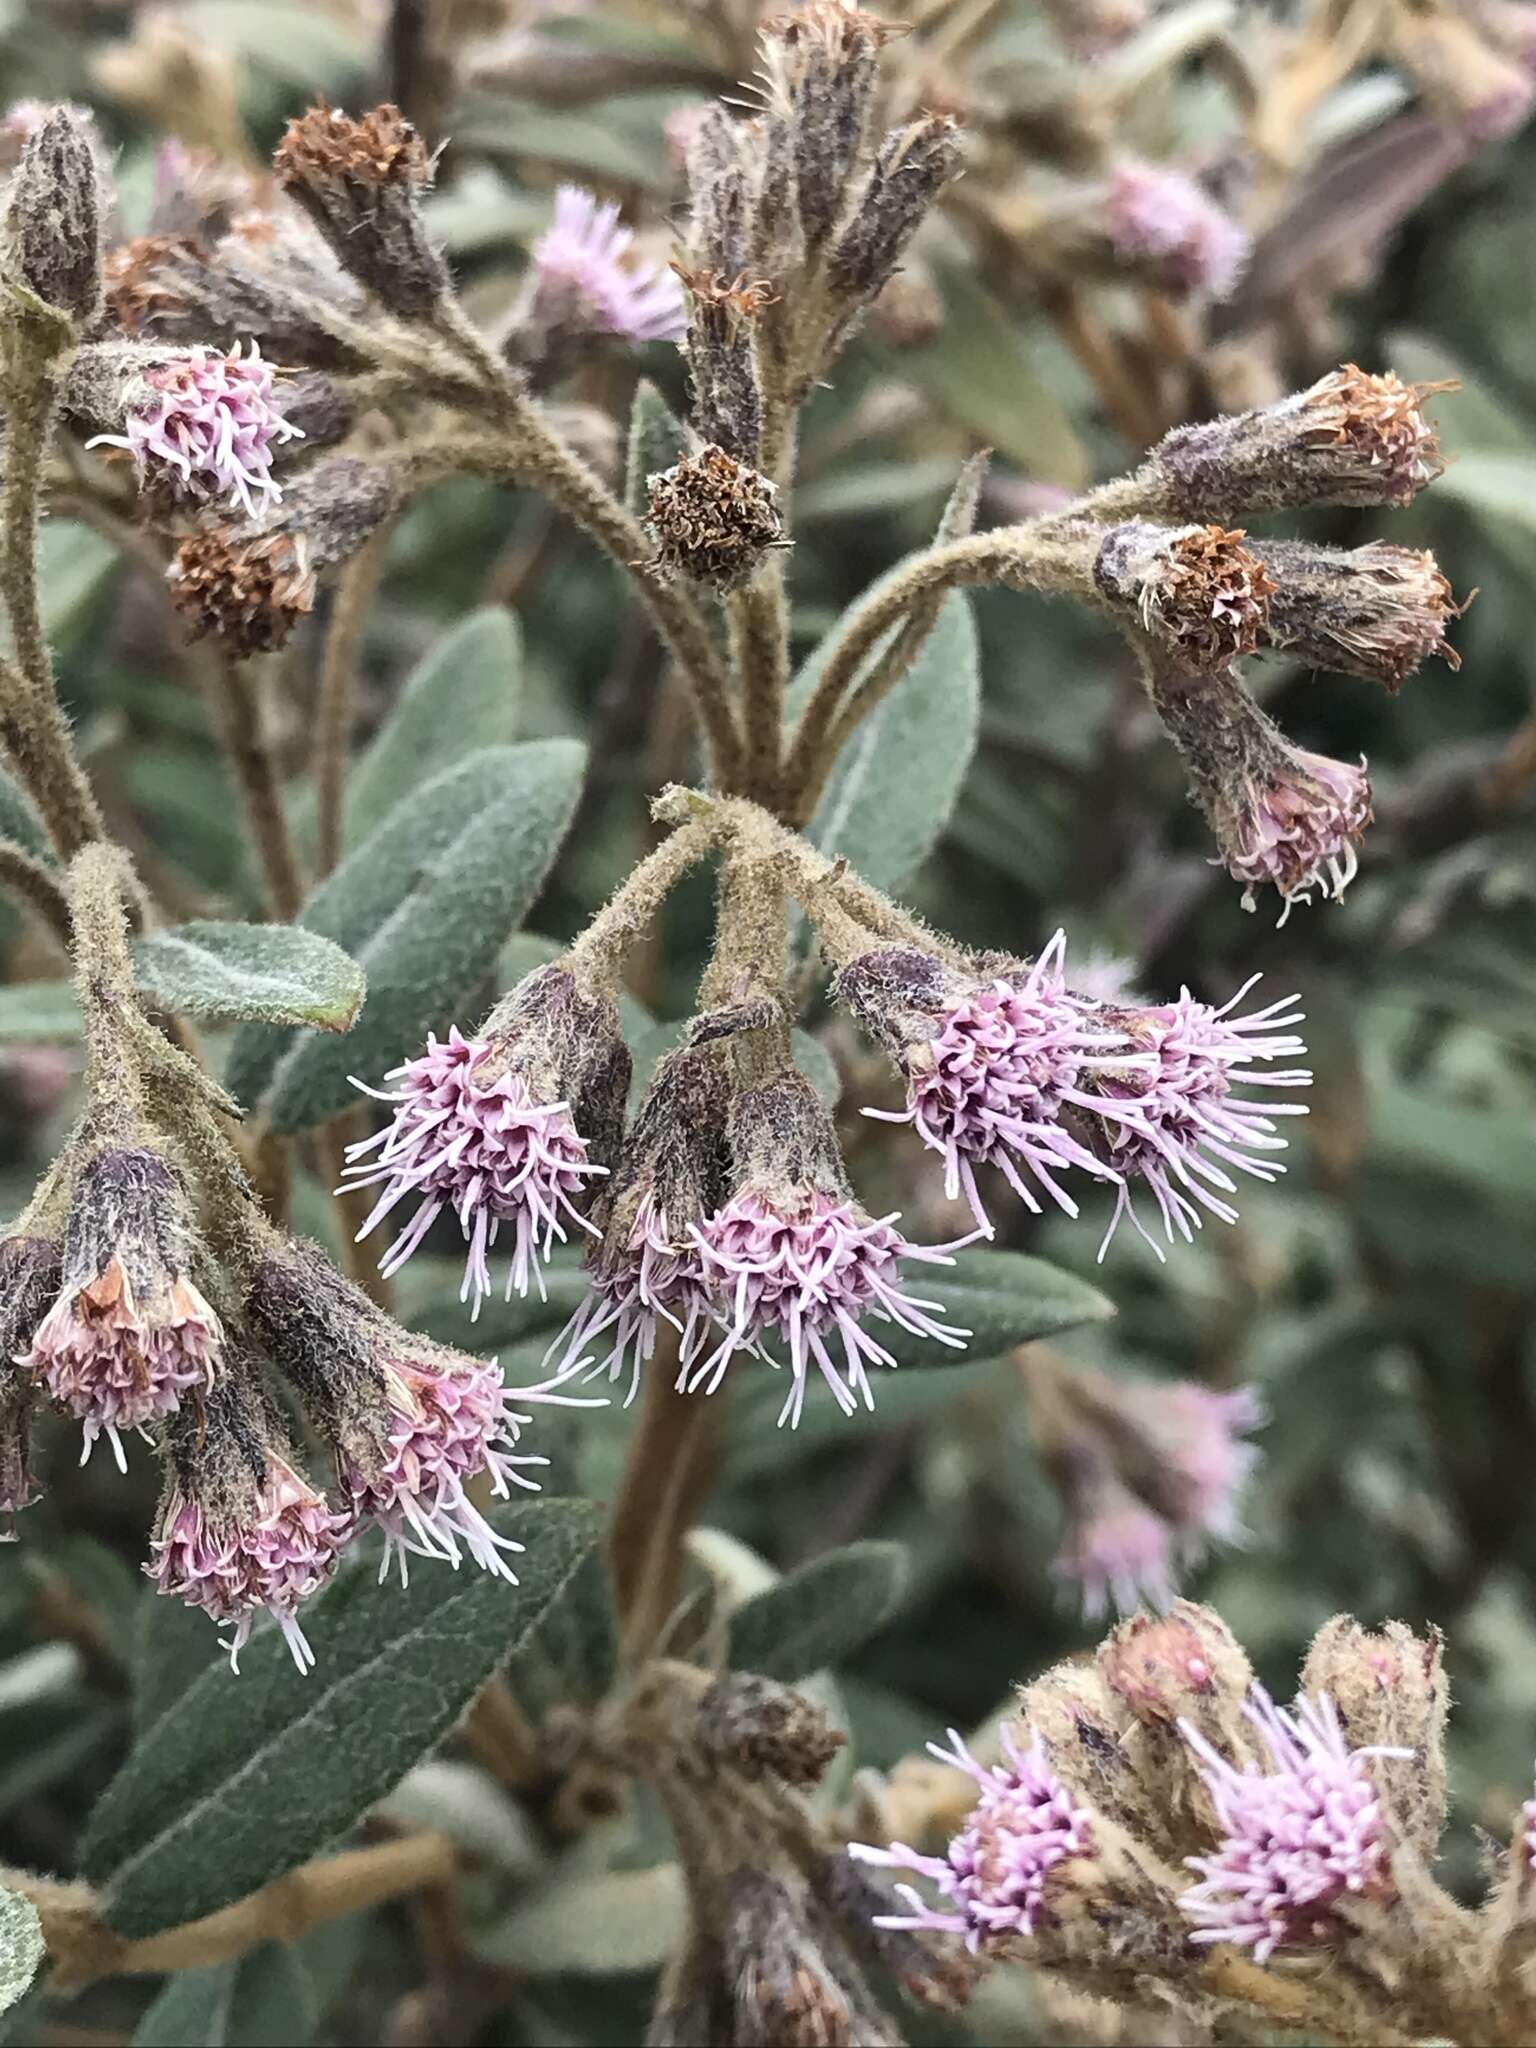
{"type": "Point", "coordinates": [361, 183]}
{"type": "Point", "coordinates": [587, 281]}
{"type": "Point", "coordinates": [763, 1729]}
{"type": "Point", "coordinates": [1353, 438]}
{"type": "Point", "coordinates": [722, 362]}
{"type": "Point", "coordinates": [713, 519]}
{"type": "Point", "coordinates": [994, 1880]}
{"type": "Point", "coordinates": [507, 1129]}
{"type": "Point", "coordinates": [1197, 589]}
{"type": "Point", "coordinates": [1178, 1123]}
{"type": "Point", "coordinates": [240, 1530]}
{"type": "Point", "coordinates": [129, 1336]}
{"type": "Point", "coordinates": [819, 65]}
{"type": "Point", "coordinates": [1280, 816]}
{"type": "Point", "coordinates": [1297, 1837]}
{"type": "Point", "coordinates": [204, 425]}
{"type": "Point", "coordinates": [1376, 611]}
{"type": "Point", "coordinates": [793, 1255]}
{"type": "Point", "coordinates": [248, 590]}
{"type": "Point", "coordinates": [990, 1063]}
{"type": "Point", "coordinates": [1159, 220]}
{"type": "Point", "coordinates": [51, 230]}
{"type": "Point", "coordinates": [794, 1982]}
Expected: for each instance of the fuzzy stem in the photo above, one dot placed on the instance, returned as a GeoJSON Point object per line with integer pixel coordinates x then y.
{"type": "Point", "coordinates": [104, 982]}
{"type": "Point", "coordinates": [32, 883]}
{"type": "Point", "coordinates": [232, 691]}
{"type": "Point", "coordinates": [355, 591]}
{"type": "Point", "coordinates": [630, 911]}
{"type": "Point", "coordinates": [86, 1949]}
{"type": "Point", "coordinates": [759, 623]}
{"type": "Point", "coordinates": [1293, 2004]}
{"type": "Point", "coordinates": [352, 1204]}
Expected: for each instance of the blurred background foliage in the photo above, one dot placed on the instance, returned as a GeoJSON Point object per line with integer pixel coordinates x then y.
{"type": "Point", "coordinates": [1382, 1297]}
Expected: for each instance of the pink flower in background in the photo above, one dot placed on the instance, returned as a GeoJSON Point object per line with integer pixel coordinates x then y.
{"type": "Point", "coordinates": [1160, 216]}
{"type": "Point", "coordinates": [1207, 1459]}
{"type": "Point", "coordinates": [275, 1556]}
{"type": "Point", "coordinates": [587, 279]}
{"type": "Point", "coordinates": [994, 1878]}
{"type": "Point", "coordinates": [207, 425]}
{"type": "Point", "coordinates": [1297, 1837]}
{"type": "Point", "coordinates": [484, 1150]}
{"type": "Point", "coordinates": [810, 1273]}
{"type": "Point", "coordinates": [1117, 1552]}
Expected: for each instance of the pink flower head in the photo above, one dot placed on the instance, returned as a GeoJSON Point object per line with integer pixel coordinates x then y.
{"type": "Point", "coordinates": [1207, 1460]}
{"type": "Point", "coordinates": [1117, 1552]}
{"type": "Point", "coordinates": [1298, 828]}
{"type": "Point", "coordinates": [206, 425]}
{"type": "Point", "coordinates": [481, 1145]}
{"type": "Point", "coordinates": [586, 279]}
{"type": "Point", "coordinates": [1296, 1838]}
{"type": "Point", "coordinates": [1161, 217]}
{"type": "Point", "coordinates": [807, 1267]}
{"type": "Point", "coordinates": [990, 1086]}
{"type": "Point", "coordinates": [443, 1428]}
{"type": "Point", "coordinates": [276, 1552]}
{"type": "Point", "coordinates": [1178, 1124]}
{"type": "Point", "coordinates": [658, 1277]}
{"type": "Point", "coordinates": [995, 1876]}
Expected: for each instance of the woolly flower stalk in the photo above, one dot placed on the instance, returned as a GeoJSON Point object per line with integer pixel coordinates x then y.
{"type": "Point", "coordinates": [808, 1268]}
{"type": "Point", "coordinates": [207, 426]}
{"type": "Point", "coordinates": [1298, 1837]}
{"type": "Point", "coordinates": [1178, 1125]}
{"type": "Point", "coordinates": [1298, 828]}
{"type": "Point", "coordinates": [274, 1554]}
{"type": "Point", "coordinates": [989, 1088]}
{"type": "Point", "coordinates": [656, 1278]}
{"type": "Point", "coordinates": [994, 1878]}
{"type": "Point", "coordinates": [484, 1149]}
{"type": "Point", "coordinates": [1159, 216]}
{"type": "Point", "coordinates": [443, 1428]}
{"type": "Point", "coordinates": [587, 280]}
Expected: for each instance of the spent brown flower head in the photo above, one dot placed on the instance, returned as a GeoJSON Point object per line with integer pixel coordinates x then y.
{"type": "Point", "coordinates": [1198, 589]}
{"type": "Point", "coordinates": [247, 590]}
{"type": "Point", "coordinates": [360, 182]}
{"type": "Point", "coordinates": [713, 519]}
{"type": "Point", "coordinates": [1377, 611]}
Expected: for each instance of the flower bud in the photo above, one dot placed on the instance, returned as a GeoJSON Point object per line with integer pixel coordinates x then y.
{"type": "Point", "coordinates": [819, 61]}
{"type": "Point", "coordinates": [511, 1127]}
{"type": "Point", "coordinates": [722, 177]}
{"type": "Point", "coordinates": [764, 1729]}
{"type": "Point", "coordinates": [713, 519]}
{"type": "Point", "coordinates": [129, 1335]}
{"type": "Point", "coordinates": [913, 166]}
{"type": "Point", "coordinates": [51, 230]}
{"type": "Point", "coordinates": [1081, 1726]}
{"type": "Point", "coordinates": [722, 366]}
{"type": "Point", "coordinates": [251, 590]}
{"type": "Point", "coordinates": [30, 1271]}
{"type": "Point", "coordinates": [1197, 589]}
{"type": "Point", "coordinates": [361, 184]}
{"type": "Point", "coordinates": [1351, 439]}
{"type": "Point", "coordinates": [1389, 1689]}
{"type": "Point", "coordinates": [239, 1527]}
{"type": "Point", "coordinates": [1279, 814]}
{"type": "Point", "coordinates": [1375, 611]}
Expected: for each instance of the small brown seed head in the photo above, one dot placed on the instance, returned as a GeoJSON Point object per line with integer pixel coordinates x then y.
{"type": "Point", "coordinates": [361, 182]}
{"type": "Point", "coordinates": [1196, 588]}
{"type": "Point", "coordinates": [713, 518]}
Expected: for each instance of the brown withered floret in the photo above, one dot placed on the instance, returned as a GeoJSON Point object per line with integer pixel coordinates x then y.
{"type": "Point", "coordinates": [727, 404]}
{"type": "Point", "coordinates": [248, 591]}
{"type": "Point", "coordinates": [1375, 611]}
{"type": "Point", "coordinates": [140, 281]}
{"type": "Point", "coordinates": [381, 148]}
{"type": "Point", "coordinates": [713, 518]}
{"type": "Point", "coordinates": [1198, 588]}
{"type": "Point", "coordinates": [360, 182]}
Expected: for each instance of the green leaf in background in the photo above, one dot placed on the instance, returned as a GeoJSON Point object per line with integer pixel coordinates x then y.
{"type": "Point", "coordinates": [819, 1614]}
{"type": "Point", "coordinates": [895, 783]}
{"type": "Point", "coordinates": [464, 695]}
{"type": "Point", "coordinates": [264, 2000]}
{"type": "Point", "coordinates": [189, 1826]}
{"type": "Point", "coordinates": [272, 973]}
{"type": "Point", "coordinates": [21, 1946]}
{"type": "Point", "coordinates": [19, 821]}
{"type": "Point", "coordinates": [656, 439]}
{"type": "Point", "coordinates": [39, 1013]}
{"type": "Point", "coordinates": [425, 904]}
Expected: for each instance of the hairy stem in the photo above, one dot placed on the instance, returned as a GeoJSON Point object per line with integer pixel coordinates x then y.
{"type": "Point", "coordinates": [352, 1204]}
{"type": "Point", "coordinates": [355, 592]}
{"type": "Point", "coordinates": [232, 690]}
{"type": "Point", "coordinates": [759, 623]}
{"type": "Point", "coordinates": [630, 911]}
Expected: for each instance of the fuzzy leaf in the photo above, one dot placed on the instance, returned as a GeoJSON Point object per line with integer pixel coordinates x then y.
{"type": "Point", "coordinates": [601, 1921]}
{"type": "Point", "coordinates": [819, 1614]}
{"type": "Point", "coordinates": [188, 1825]}
{"type": "Point", "coordinates": [263, 1998]}
{"type": "Point", "coordinates": [39, 1013]}
{"type": "Point", "coordinates": [894, 785]}
{"type": "Point", "coordinates": [463, 696]}
{"type": "Point", "coordinates": [424, 904]}
{"type": "Point", "coordinates": [272, 973]}
{"type": "Point", "coordinates": [19, 821]}
{"type": "Point", "coordinates": [656, 440]}
{"type": "Point", "coordinates": [21, 1946]}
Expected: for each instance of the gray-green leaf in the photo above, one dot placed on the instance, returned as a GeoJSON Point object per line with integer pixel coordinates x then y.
{"type": "Point", "coordinates": [464, 695]}
{"type": "Point", "coordinates": [21, 1946]}
{"type": "Point", "coordinates": [272, 973]}
{"type": "Point", "coordinates": [263, 1999]}
{"type": "Point", "coordinates": [39, 1013]}
{"type": "Point", "coordinates": [657, 438]}
{"type": "Point", "coordinates": [19, 820]}
{"type": "Point", "coordinates": [189, 1824]}
{"type": "Point", "coordinates": [425, 904]}
{"type": "Point", "coordinates": [821, 1613]}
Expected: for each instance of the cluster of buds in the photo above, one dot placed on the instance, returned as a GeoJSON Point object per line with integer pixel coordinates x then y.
{"type": "Point", "coordinates": [1156, 1811]}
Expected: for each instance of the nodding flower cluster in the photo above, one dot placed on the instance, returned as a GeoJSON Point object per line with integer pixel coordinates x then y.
{"type": "Point", "coordinates": [1155, 1807]}
{"type": "Point", "coordinates": [112, 1325]}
